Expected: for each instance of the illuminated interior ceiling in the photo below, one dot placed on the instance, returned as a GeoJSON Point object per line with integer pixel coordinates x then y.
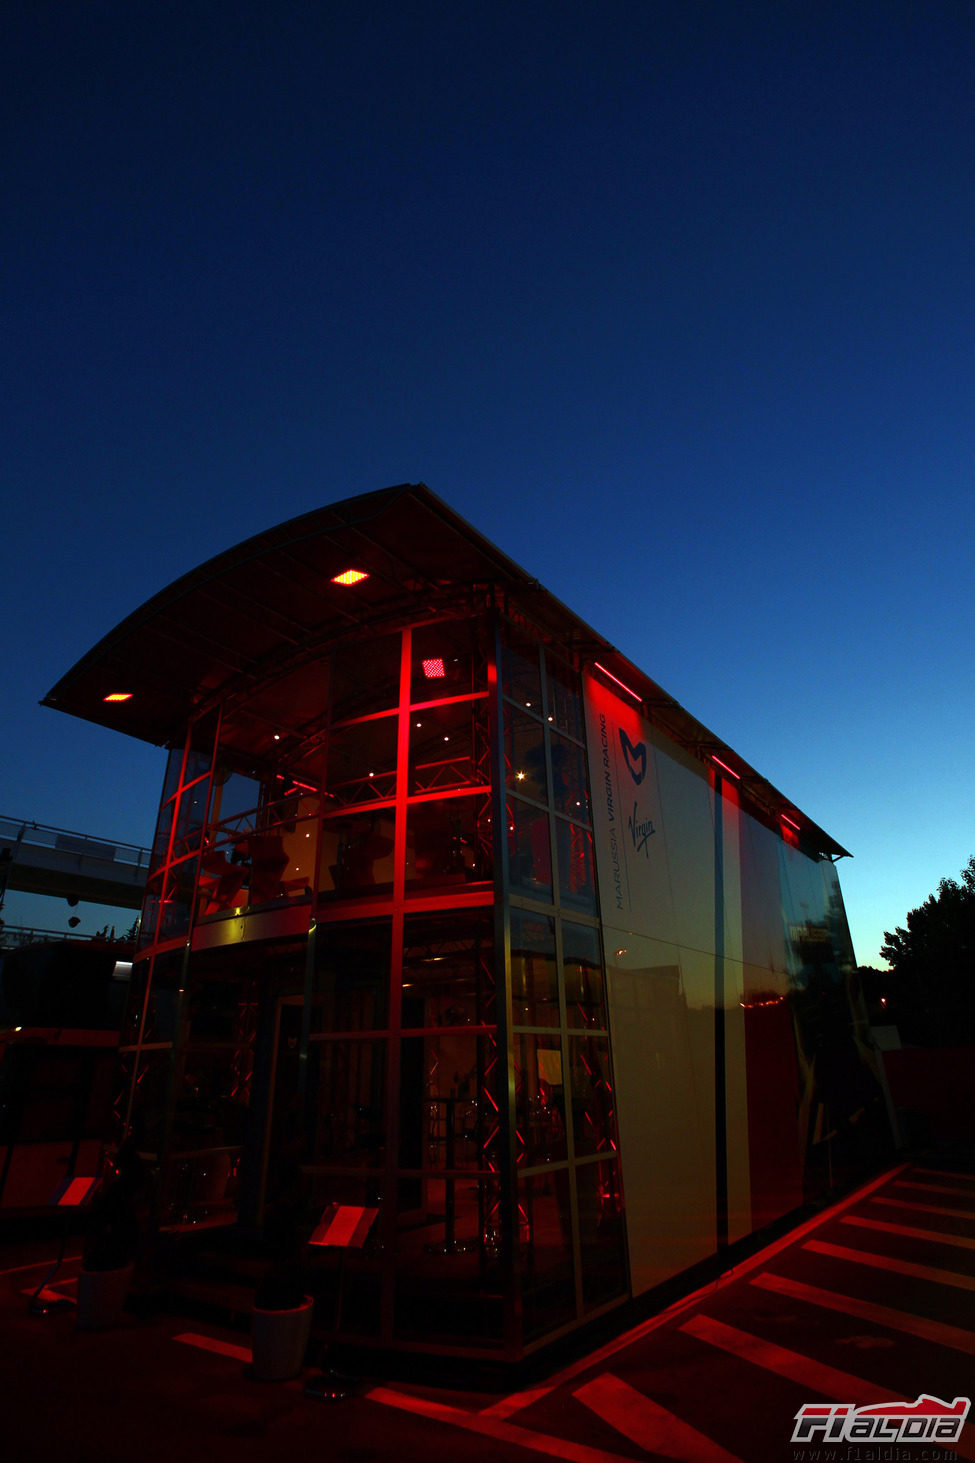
{"type": "Point", "coordinates": [278, 599]}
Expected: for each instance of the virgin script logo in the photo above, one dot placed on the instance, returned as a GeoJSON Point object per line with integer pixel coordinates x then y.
{"type": "Point", "coordinates": [635, 757]}
{"type": "Point", "coordinates": [641, 831]}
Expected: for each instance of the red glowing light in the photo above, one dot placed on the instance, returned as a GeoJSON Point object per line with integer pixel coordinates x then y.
{"type": "Point", "coordinates": [616, 681]}
{"type": "Point", "coordinates": [433, 670]}
{"type": "Point", "coordinates": [350, 576]}
{"type": "Point", "coordinates": [725, 768]}
{"type": "Point", "coordinates": [118, 696]}
{"type": "Point", "coordinates": [790, 822]}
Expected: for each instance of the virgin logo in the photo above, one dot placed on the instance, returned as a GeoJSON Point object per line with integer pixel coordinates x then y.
{"type": "Point", "coordinates": [635, 757]}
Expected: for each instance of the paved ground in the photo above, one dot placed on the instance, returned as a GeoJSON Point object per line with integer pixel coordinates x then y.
{"type": "Point", "coordinates": [872, 1301]}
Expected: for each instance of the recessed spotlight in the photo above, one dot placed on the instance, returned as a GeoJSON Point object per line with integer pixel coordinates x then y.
{"type": "Point", "coordinates": [350, 576]}
{"type": "Point", "coordinates": [118, 696]}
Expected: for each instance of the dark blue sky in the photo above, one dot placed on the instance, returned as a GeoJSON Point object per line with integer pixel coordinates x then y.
{"type": "Point", "coordinates": [674, 301]}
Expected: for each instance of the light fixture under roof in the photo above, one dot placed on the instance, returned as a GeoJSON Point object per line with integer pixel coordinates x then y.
{"type": "Point", "coordinates": [118, 696]}
{"type": "Point", "coordinates": [434, 669]}
{"type": "Point", "coordinates": [350, 576]}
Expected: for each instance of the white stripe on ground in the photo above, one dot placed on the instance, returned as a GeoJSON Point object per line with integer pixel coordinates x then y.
{"type": "Point", "coordinates": [493, 1427]}
{"type": "Point", "coordinates": [211, 1343]}
{"type": "Point", "coordinates": [816, 1375]}
{"type": "Point", "coordinates": [934, 1188]}
{"type": "Point", "coordinates": [867, 1310]}
{"type": "Point", "coordinates": [648, 1424]}
{"type": "Point", "coordinates": [959, 1241]}
{"type": "Point", "coordinates": [898, 1267]}
{"type": "Point", "coordinates": [927, 1208]}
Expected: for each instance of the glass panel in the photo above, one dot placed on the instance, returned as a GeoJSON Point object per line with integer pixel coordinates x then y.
{"type": "Point", "coordinates": [600, 1204]}
{"type": "Point", "coordinates": [190, 817]}
{"type": "Point", "coordinates": [448, 975]}
{"type": "Point", "coordinates": [529, 850]}
{"type": "Point", "coordinates": [209, 1110]}
{"type": "Point", "coordinates": [178, 899]}
{"type": "Point", "coordinates": [199, 756]}
{"type": "Point", "coordinates": [545, 1230]}
{"type": "Point", "coordinates": [365, 1189]}
{"type": "Point", "coordinates": [200, 1187]}
{"type": "Point", "coordinates": [291, 843]}
{"type": "Point", "coordinates": [539, 1099]}
{"type": "Point", "coordinates": [576, 886]}
{"type": "Point", "coordinates": [174, 766]}
{"type": "Point", "coordinates": [365, 677]}
{"type": "Point", "coordinates": [565, 710]}
{"type": "Point", "coordinates": [150, 910]}
{"type": "Point", "coordinates": [280, 722]}
{"type": "Point", "coordinates": [160, 842]}
{"type": "Point", "coordinates": [446, 1080]}
{"type": "Point", "coordinates": [520, 674]}
{"type": "Point", "coordinates": [134, 1001]}
{"type": "Point", "coordinates": [534, 974]}
{"type": "Point", "coordinates": [448, 1282]}
{"type": "Point", "coordinates": [163, 1009]}
{"type": "Point", "coordinates": [593, 1103]}
{"type": "Point", "coordinates": [362, 762]}
{"type": "Point", "coordinates": [217, 1009]}
{"type": "Point", "coordinates": [585, 999]}
{"type": "Point", "coordinates": [357, 854]}
{"type": "Point", "coordinates": [448, 841]}
{"type": "Point", "coordinates": [149, 1098]}
{"type": "Point", "coordinates": [449, 746]}
{"type": "Point", "coordinates": [352, 977]}
{"type": "Point", "coordinates": [447, 661]}
{"type": "Point", "coordinates": [524, 754]}
{"type": "Point", "coordinates": [347, 1085]}
{"type": "Point", "coordinates": [234, 793]}
{"type": "Point", "coordinates": [762, 927]}
{"type": "Point", "coordinates": [118, 1103]}
{"type": "Point", "coordinates": [570, 786]}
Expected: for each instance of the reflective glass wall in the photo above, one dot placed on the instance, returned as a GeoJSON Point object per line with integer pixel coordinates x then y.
{"type": "Point", "coordinates": [740, 1043]}
{"type": "Point", "coordinates": [440, 931]}
{"type": "Point", "coordinates": [334, 983]}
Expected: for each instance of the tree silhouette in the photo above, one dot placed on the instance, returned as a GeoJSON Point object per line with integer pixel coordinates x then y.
{"type": "Point", "coordinates": [932, 962]}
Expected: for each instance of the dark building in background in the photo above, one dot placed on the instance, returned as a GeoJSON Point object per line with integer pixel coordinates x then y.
{"type": "Point", "coordinates": [454, 913]}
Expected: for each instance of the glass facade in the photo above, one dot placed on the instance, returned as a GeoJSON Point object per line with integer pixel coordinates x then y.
{"type": "Point", "coordinates": [440, 925]}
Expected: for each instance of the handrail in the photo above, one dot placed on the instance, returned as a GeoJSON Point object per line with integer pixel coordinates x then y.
{"type": "Point", "coordinates": [27, 834]}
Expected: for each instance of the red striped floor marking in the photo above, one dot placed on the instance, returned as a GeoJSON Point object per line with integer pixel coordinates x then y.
{"type": "Point", "coordinates": [210, 1343]}
{"type": "Point", "coordinates": [926, 1208]}
{"type": "Point", "coordinates": [898, 1267]}
{"type": "Point", "coordinates": [38, 1264]}
{"type": "Point", "coordinates": [493, 1427]}
{"type": "Point", "coordinates": [947, 1173]}
{"type": "Point", "coordinates": [816, 1375]}
{"type": "Point", "coordinates": [848, 1305]}
{"type": "Point", "coordinates": [934, 1188]}
{"type": "Point", "coordinates": [960, 1241]}
{"type": "Point", "coordinates": [648, 1424]}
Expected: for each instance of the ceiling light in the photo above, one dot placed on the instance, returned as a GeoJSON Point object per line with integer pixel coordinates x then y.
{"type": "Point", "coordinates": [350, 576]}
{"type": "Point", "coordinates": [118, 696]}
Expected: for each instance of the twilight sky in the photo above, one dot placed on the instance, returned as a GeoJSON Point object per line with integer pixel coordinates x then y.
{"type": "Point", "coordinates": [674, 301]}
